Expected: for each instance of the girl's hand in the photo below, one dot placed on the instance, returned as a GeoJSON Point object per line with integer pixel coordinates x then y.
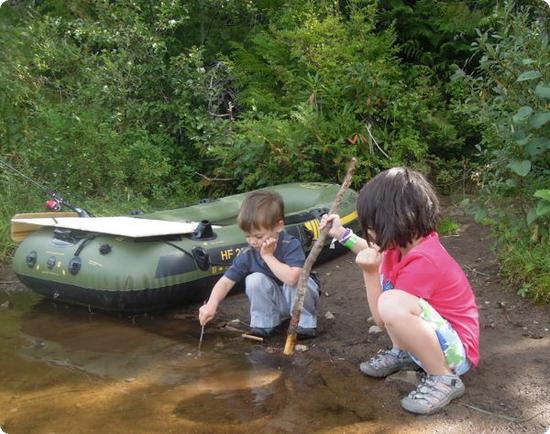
{"type": "Point", "coordinates": [332, 221]}
{"type": "Point", "coordinates": [268, 247]}
{"type": "Point", "coordinates": [369, 260]}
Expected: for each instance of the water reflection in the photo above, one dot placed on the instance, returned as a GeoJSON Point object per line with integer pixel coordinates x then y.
{"type": "Point", "coordinates": [60, 360]}
{"type": "Point", "coordinates": [235, 396]}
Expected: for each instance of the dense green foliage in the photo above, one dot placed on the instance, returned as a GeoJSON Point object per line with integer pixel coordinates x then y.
{"type": "Point", "coordinates": [509, 104]}
{"type": "Point", "coordinates": [437, 34]}
{"type": "Point", "coordinates": [140, 104]}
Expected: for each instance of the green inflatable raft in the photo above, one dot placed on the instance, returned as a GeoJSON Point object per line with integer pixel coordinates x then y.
{"type": "Point", "coordinates": [119, 270]}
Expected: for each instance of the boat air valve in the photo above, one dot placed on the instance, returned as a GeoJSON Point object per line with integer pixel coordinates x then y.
{"type": "Point", "coordinates": [203, 231]}
{"type": "Point", "coordinates": [51, 262]}
{"type": "Point", "coordinates": [105, 249]}
{"type": "Point", "coordinates": [74, 265]}
{"type": "Point", "coordinates": [201, 258]}
{"type": "Point", "coordinates": [31, 259]}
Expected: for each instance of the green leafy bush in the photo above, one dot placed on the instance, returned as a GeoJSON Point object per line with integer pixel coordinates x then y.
{"type": "Point", "coordinates": [317, 88]}
{"type": "Point", "coordinates": [509, 100]}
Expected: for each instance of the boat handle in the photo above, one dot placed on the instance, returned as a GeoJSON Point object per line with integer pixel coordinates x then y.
{"type": "Point", "coordinates": [202, 258]}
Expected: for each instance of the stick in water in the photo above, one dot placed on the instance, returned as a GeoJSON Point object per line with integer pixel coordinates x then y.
{"type": "Point", "coordinates": [202, 334]}
{"type": "Point", "coordinates": [200, 340]}
{"type": "Point", "coordinates": [310, 260]}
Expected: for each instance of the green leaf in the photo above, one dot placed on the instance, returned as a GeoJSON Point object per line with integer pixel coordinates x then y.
{"type": "Point", "coordinates": [521, 168]}
{"type": "Point", "coordinates": [531, 216]}
{"type": "Point", "coordinates": [524, 141]}
{"type": "Point", "coordinates": [539, 119]}
{"type": "Point", "coordinates": [543, 208]}
{"type": "Point", "coordinates": [543, 91]}
{"type": "Point", "coordinates": [458, 74]}
{"type": "Point", "coordinates": [524, 290]}
{"type": "Point", "coordinates": [465, 202]}
{"type": "Point", "coordinates": [529, 75]}
{"type": "Point", "coordinates": [521, 137]}
{"type": "Point", "coordinates": [479, 215]}
{"type": "Point", "coordinates": [537, 146]}
{"type": "Point", "coordinates": [512, 183]}
{"type": "Point", "coordinates": [522, 114]}
{"type": "Point", "coordinates": [527, 61]}
{"type": "Point", "coordinates": [543, 194]}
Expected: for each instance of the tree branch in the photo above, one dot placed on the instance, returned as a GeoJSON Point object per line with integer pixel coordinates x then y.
{"type": "Point", "coordinates": [310, 260]}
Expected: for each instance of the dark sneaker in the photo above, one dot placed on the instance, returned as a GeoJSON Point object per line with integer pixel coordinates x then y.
{"type": "Point", "coordinates": [306, 332]}
{"type": "Point", "coordinates": [263, 332]}
{"type": "Point", "coordinates": [387, 362]}
{"type": "Point", "coordinates": [433, 393]}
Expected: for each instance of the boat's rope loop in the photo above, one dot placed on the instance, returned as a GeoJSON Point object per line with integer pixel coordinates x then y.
{"type": "Point", "coordinates": [181, 249]}
{"type": "Point", "coordinates": [85, 241]}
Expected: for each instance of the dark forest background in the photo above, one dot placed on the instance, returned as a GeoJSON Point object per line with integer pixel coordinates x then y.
{"type": "Point", "coordinates": [133, 104]}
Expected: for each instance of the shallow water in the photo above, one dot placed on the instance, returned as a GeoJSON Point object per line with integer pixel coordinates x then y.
{"type": "Point", "coordinates": [65, 370]}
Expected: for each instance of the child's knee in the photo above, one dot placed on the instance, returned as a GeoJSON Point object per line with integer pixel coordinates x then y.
{"type": "Point", "coordinates": [256, 282]}
{"type": "Point", "coordinates": [390, 307]}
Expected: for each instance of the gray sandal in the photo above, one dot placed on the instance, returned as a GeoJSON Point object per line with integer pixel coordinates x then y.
{"type": "Point", "coordinates": [387, 362]}
{"type": "Point", "coordinates": [433, 393]}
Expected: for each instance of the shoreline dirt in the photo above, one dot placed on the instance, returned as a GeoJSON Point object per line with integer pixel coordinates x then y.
{"type": "Point", "coordinates": [509, 391]}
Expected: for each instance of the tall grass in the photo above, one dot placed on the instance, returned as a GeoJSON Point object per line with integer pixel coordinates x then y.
{"type": "Point", "coordinates": [16, 198]}
{"type": "Point", "coordinates": [523, 251]}
{"type": "Point", "coordinates": [447, 226]}
{"type": "Point", "coordinates": [526, 265]}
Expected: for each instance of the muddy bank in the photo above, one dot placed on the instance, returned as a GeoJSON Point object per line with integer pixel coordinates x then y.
{"type": "Point", "coordinates": [509, 390]}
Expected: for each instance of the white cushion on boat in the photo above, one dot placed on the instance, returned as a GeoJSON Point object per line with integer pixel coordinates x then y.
{"type": "Point", "coordinates": [122, 226]}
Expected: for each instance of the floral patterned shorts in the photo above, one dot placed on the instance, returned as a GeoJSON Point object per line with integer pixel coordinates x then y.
{"type": "Point", "coordinates": [448, 339]}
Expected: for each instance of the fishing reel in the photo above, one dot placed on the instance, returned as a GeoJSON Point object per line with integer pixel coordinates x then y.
{"type": "Point", "coordinates": [53, 205]}
{"type": "Point", "coordinates": [56, 203]}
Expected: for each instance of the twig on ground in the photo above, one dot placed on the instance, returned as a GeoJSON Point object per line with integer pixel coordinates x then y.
{"type": "Point", "coordinates": [232, 329]}
{"type": "Point", "coordinates": [8, 282]}
{"type": "Point", "coordinates": [507, 316]}
{"type": "Point", "coordinates": [503, 416]}
{"type": "Point", "coordinates": [252, 337]}
{"type": "Point", "coordinates": [473, 270]}
{"type": "Point", "coordinates": [214, 179]}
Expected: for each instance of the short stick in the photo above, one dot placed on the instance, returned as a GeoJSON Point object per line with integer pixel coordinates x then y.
{"type": "Point", "coordinates": [252, 337]}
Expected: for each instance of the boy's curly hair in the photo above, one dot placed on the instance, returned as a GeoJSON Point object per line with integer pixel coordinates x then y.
{"type": "Point", "coordinates": [261, 210]}
{"type": "Point", "coordinates": [396, 207]}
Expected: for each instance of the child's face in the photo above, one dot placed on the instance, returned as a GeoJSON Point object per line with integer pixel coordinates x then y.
{"type": "Point", "coordinates": [257, 236]}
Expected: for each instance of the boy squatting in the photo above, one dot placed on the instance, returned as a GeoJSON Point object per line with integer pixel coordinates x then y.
{"type": "Point", "coordinates": [271, 267]}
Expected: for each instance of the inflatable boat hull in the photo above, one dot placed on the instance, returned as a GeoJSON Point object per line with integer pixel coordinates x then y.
{"type": "Point", "coordinates": [118, 273]}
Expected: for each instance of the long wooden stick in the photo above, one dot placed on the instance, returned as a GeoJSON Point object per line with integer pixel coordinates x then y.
{"type": "Point", "coordinates": [310, 260]}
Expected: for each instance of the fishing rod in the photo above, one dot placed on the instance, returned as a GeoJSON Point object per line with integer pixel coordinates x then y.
{"type": "Point", "coordinates": [55, 202]}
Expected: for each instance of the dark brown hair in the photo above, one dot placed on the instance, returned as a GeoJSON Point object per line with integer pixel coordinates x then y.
{"type": "Point", "coordinates": [261, 210]}
{"type": "Point", "coordinates": [398, 205]}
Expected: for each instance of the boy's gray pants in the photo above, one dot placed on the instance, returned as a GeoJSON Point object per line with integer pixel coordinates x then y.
{"type": "Point", "coordinates": [271, 303]}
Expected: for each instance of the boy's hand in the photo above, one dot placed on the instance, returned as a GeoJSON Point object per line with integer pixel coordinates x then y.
{"type": "Point", "coordinates": [268, 247]}
{"type": "Point", "coordinates": [369, 260]}
{"type": "Point", "coordinates": [207, 312]}
{"type": "Point", "coordinates": [332, 221]}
